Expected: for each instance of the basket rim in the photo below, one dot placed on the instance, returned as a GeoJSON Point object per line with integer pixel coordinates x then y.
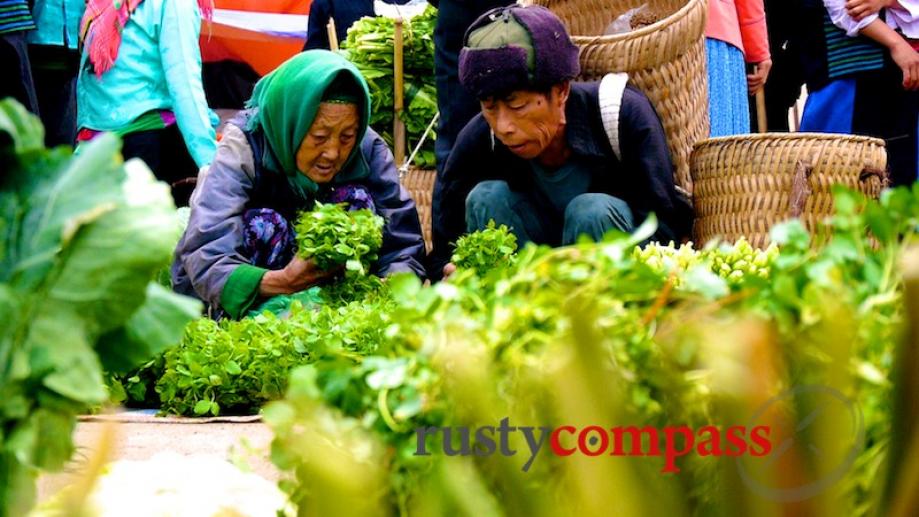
{"type": "Point", "coordinates": [790, 137]}
{"type": "Point", "coordinates": [659, 25]}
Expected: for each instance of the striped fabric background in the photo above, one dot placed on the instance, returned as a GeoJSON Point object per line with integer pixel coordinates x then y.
{"type": "Point", "coordinates": [846, 55]}
{"type": "Point", "coordinates": [15, 16]}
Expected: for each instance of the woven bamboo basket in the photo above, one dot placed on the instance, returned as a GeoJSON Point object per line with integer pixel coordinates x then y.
{"type": "Point", "coordinates": [420, 186]}
{"type": "Point", "coordinates": [746, 184]}
{"type": "Point", "coordinates": [665, 60]}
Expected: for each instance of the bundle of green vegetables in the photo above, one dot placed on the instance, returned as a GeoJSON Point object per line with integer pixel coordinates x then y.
{"type": "Point", "coordinates": [370, 46]}
{"type": "Point", "coordinates": [333, 236]}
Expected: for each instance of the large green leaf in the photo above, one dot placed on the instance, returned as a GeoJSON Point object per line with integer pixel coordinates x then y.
{"type": "Point", "coordinates": [155, 326]}
{"type": "Point", "coordinates": [61, 355]}
{"type": "Point", "coordinates": [20, 127]}
{"type": "Point", "coordinates": [105, 267]}
{"type": "Point", "coordinates": [43, 440]}
{"type": "Point", "coordinates": [49, 200]}
{"type": "Point", "coordinates": [17, 485]}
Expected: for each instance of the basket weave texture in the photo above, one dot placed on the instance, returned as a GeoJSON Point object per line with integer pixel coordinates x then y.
{"type": "Point", "coordinates": [746, 184]}
{"type": "Point", "coordinates": [420, 186]}
{"type": "Point", "coordinates": [665, 60]}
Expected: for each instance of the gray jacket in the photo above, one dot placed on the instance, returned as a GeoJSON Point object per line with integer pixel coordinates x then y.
{"type": "Point", "coordinates": [212, 245]}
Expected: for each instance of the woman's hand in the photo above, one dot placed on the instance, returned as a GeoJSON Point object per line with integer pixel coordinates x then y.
{"type": "Point", "coordinates": [299, 275]}
{"type": "Point", "coordinates": [757, 79]}
{"type": "Point", "coordinates": [908, 60]}
{"type": "Point", "coordinates": [859, 9]}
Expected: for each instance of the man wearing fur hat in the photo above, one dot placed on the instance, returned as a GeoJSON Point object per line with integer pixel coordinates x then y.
{"type": "Point", "coordinates": [550, 158]}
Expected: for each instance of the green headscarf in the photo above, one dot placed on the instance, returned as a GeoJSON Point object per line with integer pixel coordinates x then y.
{"type": "Point", "coordinates": [287, 100]}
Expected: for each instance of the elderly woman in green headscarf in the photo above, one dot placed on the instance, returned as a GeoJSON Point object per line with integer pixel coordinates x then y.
{"type": "Point", "coordinates": [304, 139]}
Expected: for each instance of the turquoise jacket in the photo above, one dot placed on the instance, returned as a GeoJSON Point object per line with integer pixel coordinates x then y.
{"type": "Point", "coordinates": [58, 22]}
{"type": "Point", "coordinates": [158, 68]}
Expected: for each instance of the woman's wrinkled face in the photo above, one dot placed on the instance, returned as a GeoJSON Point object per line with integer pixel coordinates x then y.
{"type": "Point", "coordinates": [329, 141]}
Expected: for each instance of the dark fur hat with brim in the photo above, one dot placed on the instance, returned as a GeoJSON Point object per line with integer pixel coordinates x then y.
{"type": "Point", "coordinates": [516, 48]}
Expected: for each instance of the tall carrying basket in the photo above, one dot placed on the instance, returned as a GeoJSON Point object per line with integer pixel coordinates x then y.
{"type": "Point", "coordinates": [665, 60]}
{"type": "Point", "coordinates": [746, 184]}
{"type": "Point", "coordinates": [420, 186]}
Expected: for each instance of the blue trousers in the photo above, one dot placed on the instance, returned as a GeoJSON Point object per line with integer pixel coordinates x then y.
{"type": "Point", "coordinates": [531, 218]}
{"type": "Point", "coordinates": [728, 103]}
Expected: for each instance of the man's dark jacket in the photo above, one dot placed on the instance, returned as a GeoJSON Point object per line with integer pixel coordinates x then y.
{"type": "Point", "coordinates": [643, 178]}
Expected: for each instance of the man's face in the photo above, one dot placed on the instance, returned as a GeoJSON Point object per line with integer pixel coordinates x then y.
{"type": "Point", "coordinates": [526, 122]}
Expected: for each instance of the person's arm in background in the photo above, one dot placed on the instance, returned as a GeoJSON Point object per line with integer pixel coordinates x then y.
{"type": "Point", "coordinates": [841, 18]}
{"type": "Point", "coordinates": [902, 15]}
{"type": "Point", "coordinates": [900, 51]}
{"type": "Point", "coordinates": [317, 36]}
{"type": "Point", "coordinates": [861, 9]}
{"type": "Point", "coordinates": [181, 58]}
{"type": "Point", "coordinates": [751, 16]}
{"type": "Point", "coordinates": [871, 26]}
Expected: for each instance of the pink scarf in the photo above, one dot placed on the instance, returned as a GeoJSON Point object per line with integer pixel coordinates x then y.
{"type": "Point", "coordinates": [102, 25]}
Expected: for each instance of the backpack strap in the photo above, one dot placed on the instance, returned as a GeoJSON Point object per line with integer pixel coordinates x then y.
{"type": "Point", "coordinates": [612, 87]}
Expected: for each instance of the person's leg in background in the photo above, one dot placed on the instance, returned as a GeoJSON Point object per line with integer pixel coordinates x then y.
{"type": "Point", "coordinates": [54, 70]}
{"type": "Point", "coordinates": [14, 61]}
{"type": "Point", "coordinates": [781, 91]}
{"type": "Point", "coordinates": [728, 103]}
{"type": "Point", "coordinates": [830, 109]}
{"type": "Point", "coordinates": [164, 152]}
{"type": "Point", "coordinates": [455, 104]}
{"type": "Point", "coordinates": [783, 87]}
{"type": "Point", "coordinates": [146, 146]}
{"type": "Point", "coordinates": [883, 109]}
{"type": "Point", "coordinates": [179, 168]}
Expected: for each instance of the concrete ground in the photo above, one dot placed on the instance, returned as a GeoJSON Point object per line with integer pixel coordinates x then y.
{"type": "Point", "coordinates": [140, 439]}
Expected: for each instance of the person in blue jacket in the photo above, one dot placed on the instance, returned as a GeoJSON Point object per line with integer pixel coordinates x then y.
{"type": "Point", "coordinates": [304, 139]}
{"type": "Point", "coordinates": [55, 58]}
{"type": "Point", "coordinates": [344, 12]}
{"type": "Point", "coordinates": [140, 77]}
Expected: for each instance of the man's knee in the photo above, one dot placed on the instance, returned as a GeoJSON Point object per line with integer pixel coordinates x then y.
{"type": "Point", "coordinates": [487, 194]}
{"type": "Point", "coordinates": [594, 214]}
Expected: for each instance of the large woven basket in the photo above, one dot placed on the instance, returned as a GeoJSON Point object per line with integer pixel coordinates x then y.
{"type": "Point", "coordinates": [746, 184]}
{"type": "Point", "coordinates": [665, 60]}
{"type": "Point", "coordinates": [420, 186]}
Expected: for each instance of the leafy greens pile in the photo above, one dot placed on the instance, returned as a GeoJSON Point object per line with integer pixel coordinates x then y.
{"type": "Point", "coordinates": [601, 333]}
{"type": "Point", "coordinates": [236, 366]}
{"type": "Point", "coordinates": [81, 239]}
